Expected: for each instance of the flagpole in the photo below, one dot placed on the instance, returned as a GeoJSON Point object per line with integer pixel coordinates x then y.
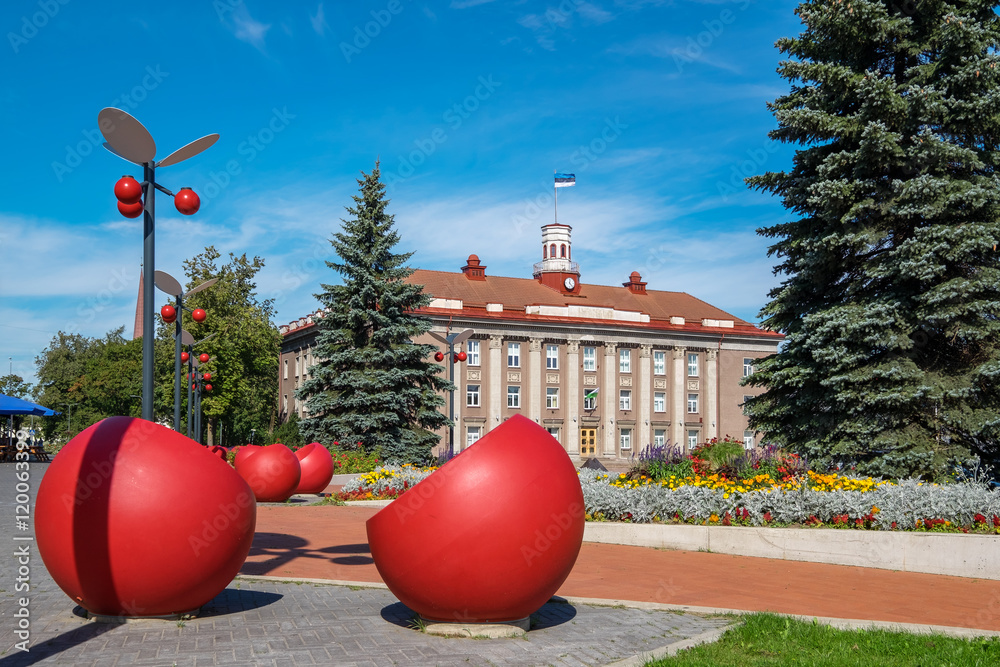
{"type": "Point", "coordinates": [555, 191]}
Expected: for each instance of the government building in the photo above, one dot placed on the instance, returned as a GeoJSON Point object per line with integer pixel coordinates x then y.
{"type": "Point", "coordinates": [607, 370]}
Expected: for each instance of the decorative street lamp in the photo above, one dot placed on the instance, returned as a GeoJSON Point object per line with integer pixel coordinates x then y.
{"type": "Point", "coordinates": [167, 283]}
{"type": "Point", "coordinates": [451, 340]}
{"type": "Point", "coordinates": [194, 392]}
{"type": "Point", "coordinates": [69, 417]}
{"type": "Point", "coordinates": [128, 139]}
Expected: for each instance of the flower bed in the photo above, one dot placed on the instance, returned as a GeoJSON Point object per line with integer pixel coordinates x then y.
{"type": "Point", "coordinates": [829, 500]}
{"type": "Point", "coordinates": [384, 483]}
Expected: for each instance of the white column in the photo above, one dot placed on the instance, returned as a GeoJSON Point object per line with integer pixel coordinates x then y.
{"type": "Point", "coordinates": [496, 383]}
{"type": "Point", "coordinates": [610, 391]}
{"type": "Point", "coordinates": [572, 398]}
{"type": "Point", "coordinates": [643, 394]}
{"type": "Point", "coordinates": [711, 395]}
{"type": "Point", "coordinates": [679, 410]}
{"type": "Point", "coordinates": [533, 385]}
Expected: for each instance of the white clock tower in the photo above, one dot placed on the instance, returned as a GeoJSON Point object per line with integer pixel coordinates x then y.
{"type": "Point", "coordinates": [557, 268]}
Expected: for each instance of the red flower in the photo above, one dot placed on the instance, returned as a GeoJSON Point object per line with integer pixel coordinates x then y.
{"type": "Point", "coordinates": [767, 517]}
{"type": "Point", "coordinates": [996, 521]}
{"type": "Point", "coordinates": [979, 518]}
{"type": "Point", "coordinates": [727, 520]}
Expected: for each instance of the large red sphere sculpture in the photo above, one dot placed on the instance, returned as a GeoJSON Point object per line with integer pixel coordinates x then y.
{"type": "Point", "coordinates": [131, 210]}
{"type": "Point", "coordinates": [272, 472]}
{"type": "Point", "coordinates": [169, 315]}
{"type": "Point", "coordinates": [133, 519]}
{"type": "Point", "coordinates": [488, 537]}
{"type": "Point", "coordinates": [317, 468]}
{"type": "Point", "coordinates": [128, 190]}
{"type": "Point", "coordinates": [187, 202]}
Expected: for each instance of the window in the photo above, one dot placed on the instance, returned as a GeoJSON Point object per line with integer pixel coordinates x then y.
{"type": "Point", "coordinates": [590, 358]}
{"type": "Point", "coordinates": [284, 401]}
{"type": "Point", "coordinates": [659, 437]}
{"type": "Point", "coordinates": [692, 403]}
{"type": "Point", "coordinates": [514, 355]}
{"type": "Point", "coordinates": [545, 251]}
{"type": "Point", "coordinates": [748, 440]}
{"type": "Point", "coordinates": [625, 438]}
{"type": "Point", "coordinates": [298, 365]}
{"type": "Point", "coordinates": [659, 362]}
{"type": "Point", "coordinates": [590, 400]}
{"type": "Point", "coordinates": [552, 357]}
{"type": "Point", "coordinates": [472, 395]}
{"type": "Point", "coordinates": [692, 439]}
{"type": "Point", "coordinates": [553, 431]}
{"type": "Point", "coordinates": [747, 366]}
{"type": "Point", "coordinates": [472, 349]}
{"type": "Point", "coordinates": [552, 251]}
{"type": "Point", "coordinates": [472, 434]}
{"type": "Point", "coordinates": [552, 398]}
{"type": "Point", "coordinates": [744, 403]}
{"type": "Point", "coordinates": [692, 365]}
{"type": "Point", "coordinates": [286, 369]}
{"type": "Point", "coordinates": [513, 397]}
{"type": "Point", "coordinates": [659, 401]}
{"type": "Point", "coordinates": [625, 399]}
{"type": "Point", "coordinates": [624, 361]}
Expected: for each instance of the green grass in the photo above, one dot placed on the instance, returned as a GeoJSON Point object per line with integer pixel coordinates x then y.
{"type": "Point", "coordinates": [766, 639]}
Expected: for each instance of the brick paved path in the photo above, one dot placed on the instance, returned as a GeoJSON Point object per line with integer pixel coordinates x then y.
{"type": "Point", "coordinates": [256, 622]}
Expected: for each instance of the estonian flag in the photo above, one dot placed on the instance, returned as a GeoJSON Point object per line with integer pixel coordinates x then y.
{"type": "Point", "coordinates": [565, 180]}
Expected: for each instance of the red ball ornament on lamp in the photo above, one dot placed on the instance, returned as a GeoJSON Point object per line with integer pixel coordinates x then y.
{"type": "Point", "coordinates": [128, 190]}
{"type": "Point", "coordinates": [208, 387]}
{"type": "Point", "coordinates": [130, 210]}
{"type": "Point", "coordinates": [168, 313]}
{"type": "Point", "coordinates": [203, 357]}
{"type": "Point", "coordinates": [206, 376]}
{"type": "Point", "coordinates": [187, 202]}
{"type": "Point", "coordinates": [184, 357]}
{"type": "Point", "coordinates": [439, 356]}
{"type": "Point", "coordinates": [128, 520]}
{"type": "Point", "coordinates": [198, 314]}
{"type": "Point", "coordinates": [490, 535]}
{"type": "Point", "coordinates": [461, 356]}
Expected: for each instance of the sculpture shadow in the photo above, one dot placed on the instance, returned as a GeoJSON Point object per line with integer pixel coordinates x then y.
{"type": "Point", "coordinates": [553, 613]}
{"type": "Point", "coordinates": [229, 601]}
{"type": "Point", "coordinates": [55, 645]}
{"type": "Point", "coordinates": [281, 549]}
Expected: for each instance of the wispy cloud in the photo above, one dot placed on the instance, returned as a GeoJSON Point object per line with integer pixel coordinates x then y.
{"type": "Point", "coordinates": [319, 23]}
{"type": "Point", "coordinates": [671, 48]}
{"type": "Point", "coordinates": [247, 29]}
{"type": "Point", "coordinates": [465, 4]}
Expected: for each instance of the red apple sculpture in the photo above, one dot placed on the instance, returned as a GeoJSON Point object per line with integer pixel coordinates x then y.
{"type": "Point", "coordinates": [134, 519]}
{"type": "Point", "coordinates": [273, 472]}
{"type": "Point", "coordinates": [317, 468]}
{"type": "Point", "coordinates": [244, 452]}
{"type": "Point", "coordinates": [219, 451]}
{"type": "Point", "coordinates": [488, 537]}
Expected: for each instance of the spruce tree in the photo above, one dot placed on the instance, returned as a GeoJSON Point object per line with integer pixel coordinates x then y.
{"type": "Point", "coordinates": [372, 384]}
{"type": "Point", "coordinates": [890, 290]}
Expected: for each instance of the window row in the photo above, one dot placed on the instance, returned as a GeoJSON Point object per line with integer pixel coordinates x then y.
{"type": "Point", "coordinates": [625, 435]}
{"type": "Point", "coordinates": [473, 398]}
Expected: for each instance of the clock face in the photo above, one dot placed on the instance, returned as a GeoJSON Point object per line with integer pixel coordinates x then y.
{"type": "Point", "coordinates": [569, 283]}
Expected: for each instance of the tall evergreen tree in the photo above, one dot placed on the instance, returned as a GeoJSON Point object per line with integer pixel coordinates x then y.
{"type": "Point", "coordinates": [891, 289]}
{"type": "Point", "coordinates": [372, 384]}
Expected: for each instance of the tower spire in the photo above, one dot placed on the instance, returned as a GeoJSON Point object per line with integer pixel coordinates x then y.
{"type": "Point", "coordinates": [137, 329]}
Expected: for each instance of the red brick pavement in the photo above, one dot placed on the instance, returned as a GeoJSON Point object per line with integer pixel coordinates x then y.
{"type": "Point", "coordinates": [330, 542]}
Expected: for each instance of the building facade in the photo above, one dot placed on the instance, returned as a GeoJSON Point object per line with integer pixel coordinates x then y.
{"type": "Point", "coordinates": [606, 370]}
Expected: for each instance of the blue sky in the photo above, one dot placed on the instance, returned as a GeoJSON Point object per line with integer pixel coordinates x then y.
{"type": "Point", "coordinates": [657, 106]}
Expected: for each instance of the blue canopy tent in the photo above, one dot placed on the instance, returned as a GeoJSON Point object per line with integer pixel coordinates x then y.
{"type": "Point", "coordinates": [10, 406]}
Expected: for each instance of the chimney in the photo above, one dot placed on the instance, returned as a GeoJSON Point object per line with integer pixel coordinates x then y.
{"type": "Point", "coordinates": [473, 270]}
{"type": "Point", "coordinates": [635, 284]}
{"type": "Point", "coordinates": [137, 328]}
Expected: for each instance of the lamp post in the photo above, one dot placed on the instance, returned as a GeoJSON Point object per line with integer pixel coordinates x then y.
{"type": "Point", "coordinates": [128, 139]}
{"type": "Point", "coordinates": [167, 283]}
{"type": "Point", "coordinates": [69, 417]}
{"type": "Point", "coordinates": [193, 363]}
{"type": "Point", "coordinates": [451, 340]}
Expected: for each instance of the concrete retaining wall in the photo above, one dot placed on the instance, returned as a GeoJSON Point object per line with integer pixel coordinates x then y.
{"type": "Point", "coordinates": [961, 555]}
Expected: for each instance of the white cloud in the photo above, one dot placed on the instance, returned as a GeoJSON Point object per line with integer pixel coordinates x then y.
{"type": "Point", "coordinates": [465, 4]}
{"type": "Point", "coordinates": [319, 23]}
{"type": "Point", "coordinates": [247, 29]}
